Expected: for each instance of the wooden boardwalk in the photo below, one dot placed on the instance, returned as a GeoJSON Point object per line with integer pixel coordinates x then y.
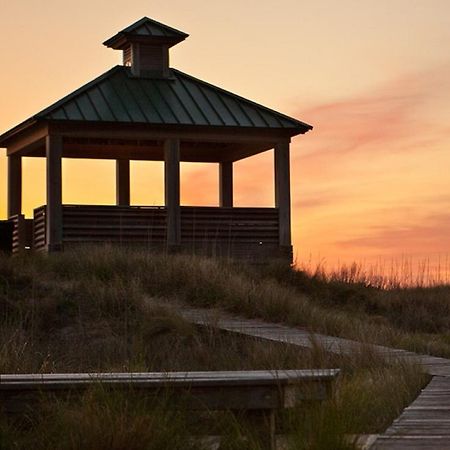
{"type": "Point", "coordinates": [425, 424]}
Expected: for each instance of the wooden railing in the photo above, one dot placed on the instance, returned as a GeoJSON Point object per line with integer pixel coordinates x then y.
{"type": "Point", "coordinates": [22, 233]}
{"type": "Point", "coordinates": [6, 236]}
{"type": "Point", "coordinates": [250, 225]}
{"type": "Point", "coordinates": [39, 223]}
{"type": "Point", "coordinates": [239, 233]}
{"type": "Point", "coordinates": [115, 224]}
{"type": "Point", "coordinates": [257, 395]}
{"type": "Point", "coordinates": [242, 233]}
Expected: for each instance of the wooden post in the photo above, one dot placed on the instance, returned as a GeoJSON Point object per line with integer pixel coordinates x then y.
{"type": "Point", "coordinates": [283, 192]}
{"type": "Point", "coordinates": [172, 192]}
{"type": "Point", "coordinates": [123, 182]}
{"type": "Point", "coordinates": [263, 422]}
{"type": "Point", "coordinates": [14, 185]}
{"type": "Point", "coordinates": [226, 184]}
{"type": "Point", "coordinates": [54, 193]}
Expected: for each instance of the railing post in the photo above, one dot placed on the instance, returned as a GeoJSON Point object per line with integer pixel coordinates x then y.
{"type": "Point", "coordinates": [54, 193]}
{"type": "Point", "coordinates": [283, 192]}
{"type": "Point", "coordinates": [14, 185]}
{"type": "Point", "coordinates": [123, 182]}
{"type": "Point", "coordinates": [172, 192]}
{"type": "Point", "coordinates": [226, 184]}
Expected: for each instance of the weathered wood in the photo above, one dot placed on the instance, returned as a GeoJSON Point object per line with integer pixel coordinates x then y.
{"type": "Point", "coordinates": [207, 146]}
{"type": "Point", "coordinates": [283, 191]}
{"type": "Point", "coordinates": [226, 134]}
{"type": "Point", "coordinates": [6, 236]}
{"type": "Point", "coordinates": [21, 234]}
{"type": "Point", "coordinates": [14, 185]}
{"type": "Point", "coordinates": [148, 150]}
{"type": "Point", "coordinates": [249, 234]}
{"type": "Point", "coordinates": [172, 191]}
{"type": "Point", "coordinates": [39, 228]}
{"type": "Point", "coordinates": [424, 424]}
{"type": "Point", "coordinates": [54, 193]}
{"type": "Point", "coordinates": [220, 390]}
{"type": "Point", "coordinates": [23, 143]}
{"type": "Point", "coordinates": [96, 224]}
{"type": "Point", "coordinates": [226, 184]}
{"type": "Point", "coordinates": [255, 393]}
{"type": "Point", "coordinates": [123, 182]}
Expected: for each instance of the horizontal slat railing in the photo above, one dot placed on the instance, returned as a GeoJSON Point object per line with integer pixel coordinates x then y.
{"type": "Point", "coordinates": [249, 234]}
{"type": "Point", "coordinates": [241, 233]}
{"type": "Point", "coordinates": [39, 222]}
{"type": "Point", "coordinates": [16, 220]}
{"type": "Point", "coordinates": [229, 225]}
{"type": "Point", "coordinates": [115, 224]}
{"type": "Point", "coordinates": [22, 233]}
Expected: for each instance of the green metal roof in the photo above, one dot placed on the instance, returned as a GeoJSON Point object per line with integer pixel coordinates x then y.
{"type": "Point", "coordinates": [147, 28]}
{"type": "Point", "coordinates": [117, 96]}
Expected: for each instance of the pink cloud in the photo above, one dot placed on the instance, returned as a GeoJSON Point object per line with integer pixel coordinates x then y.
{"type": "Point", "coordinates": [390, 118]}
{"type": "Point", "coordinates": [431, 235]}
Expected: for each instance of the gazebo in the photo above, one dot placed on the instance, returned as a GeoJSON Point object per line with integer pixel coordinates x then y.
{"type": "Point", "coordinates": [145, 110]}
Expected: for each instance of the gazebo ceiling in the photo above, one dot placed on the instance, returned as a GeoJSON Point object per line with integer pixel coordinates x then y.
{"type": "Point", "coordinates": [148, 149]}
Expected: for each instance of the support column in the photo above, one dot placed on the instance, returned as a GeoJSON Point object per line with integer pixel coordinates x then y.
{"type": "Point", "coordinates": [283, 192]}
{"type": "Point", "coordinates": [123, 182]}
{"type": "Point", "coordinates": [14, 185]}
{"type": "Point", "coordinates": [172, 192]}
{"type": "Point", "coordinates": [54, 193]}
{"type": "Point", "coordinates": [226, 184]}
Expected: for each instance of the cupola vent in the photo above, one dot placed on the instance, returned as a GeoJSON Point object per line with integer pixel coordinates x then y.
{"type": "Point", "coordinates": [145, 46]}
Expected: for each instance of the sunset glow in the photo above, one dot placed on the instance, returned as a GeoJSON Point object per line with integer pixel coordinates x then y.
{"type": "Point", "coordinates": [371, 180]}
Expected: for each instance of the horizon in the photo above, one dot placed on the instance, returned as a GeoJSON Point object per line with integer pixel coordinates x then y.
{"type": "Point", "coordinates": [369, 182]}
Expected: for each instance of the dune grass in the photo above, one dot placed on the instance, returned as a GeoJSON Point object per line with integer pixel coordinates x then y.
{"type": "Point", "coordinates": [104, 309]}
{"type": "Point", "coordinates": [416, 319]}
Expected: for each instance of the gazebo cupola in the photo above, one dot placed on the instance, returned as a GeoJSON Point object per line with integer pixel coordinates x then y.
{"type": "Point", "coordinates": [145, 46]}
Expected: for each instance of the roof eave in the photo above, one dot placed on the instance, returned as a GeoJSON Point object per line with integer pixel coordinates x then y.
{"type": "Point", "coordinates": [6, 137]}
{"type": "Point", "coordinates": [119, 41]}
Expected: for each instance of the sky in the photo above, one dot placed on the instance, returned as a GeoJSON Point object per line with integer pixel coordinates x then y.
{"type": "Point", "coordinates": [370, 181]}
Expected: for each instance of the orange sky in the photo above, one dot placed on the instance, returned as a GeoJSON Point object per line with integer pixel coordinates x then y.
{"type": "Point", "coordinates": [373, 177]}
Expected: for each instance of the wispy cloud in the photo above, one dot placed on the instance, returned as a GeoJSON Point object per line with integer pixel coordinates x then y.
{"type": "Point", "coordinates": [393, 117]}
{"type": "Point", "coordinates": [432, 235]}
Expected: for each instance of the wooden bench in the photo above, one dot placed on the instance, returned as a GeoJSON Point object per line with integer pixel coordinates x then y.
{"type": "Point", "coordinates": [257, 393]}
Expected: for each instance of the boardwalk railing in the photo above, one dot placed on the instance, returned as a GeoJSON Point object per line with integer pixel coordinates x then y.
{"type": "Point", "coordinates": [259, 391]}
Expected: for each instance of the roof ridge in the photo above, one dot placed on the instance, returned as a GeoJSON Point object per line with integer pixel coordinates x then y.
{"type": "Point", "coordinates": [154, 22]}
{"type": "Point", "coordinates": [76, 93]}
{"type": "Point", "coordinates": [246, 100]}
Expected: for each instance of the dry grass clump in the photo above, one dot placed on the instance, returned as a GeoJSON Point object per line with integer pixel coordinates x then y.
{"type": "Point", "coordinates": [98, 420]}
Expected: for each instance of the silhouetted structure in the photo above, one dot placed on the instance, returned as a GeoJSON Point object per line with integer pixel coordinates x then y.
{"type": "Point", "coordinates": [145, 110]}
